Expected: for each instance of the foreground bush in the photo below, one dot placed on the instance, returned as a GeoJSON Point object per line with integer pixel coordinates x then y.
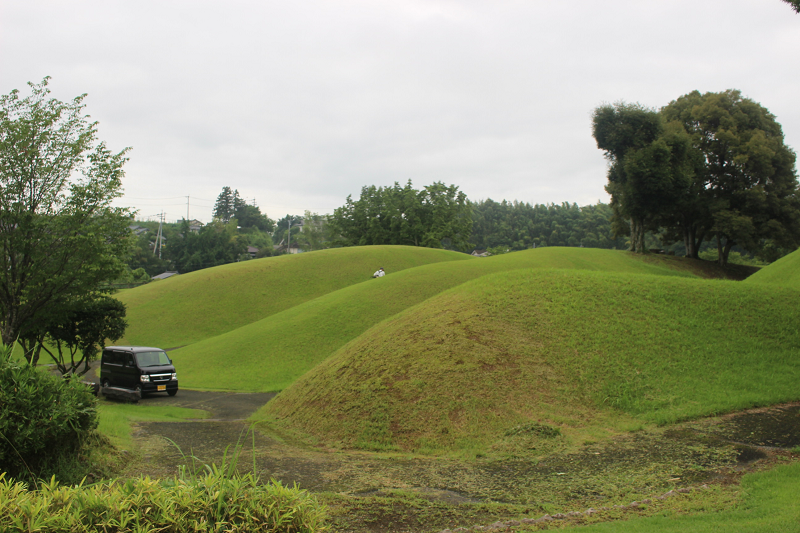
{"type": "Point", "coordinates": [45, 422]}
{"type": "Point", "coordinates": [211, 502]}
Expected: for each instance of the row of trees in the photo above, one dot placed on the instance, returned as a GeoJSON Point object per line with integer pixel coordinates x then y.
{"type": "Point", "coordinates": [517, 226]}
{"type": "Point", "coordinates": [706, 166]}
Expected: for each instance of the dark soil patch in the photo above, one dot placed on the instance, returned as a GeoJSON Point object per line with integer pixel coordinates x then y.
{"type": "Point", "coordinates": [378, 492]}
{"type": "Point", "coordinates": [776, 427]}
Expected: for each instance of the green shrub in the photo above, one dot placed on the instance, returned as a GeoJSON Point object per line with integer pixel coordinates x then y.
{"type": "Point", "coordinates": [211, 502]}
{"type": "Point", "coordinates": [45, 421]}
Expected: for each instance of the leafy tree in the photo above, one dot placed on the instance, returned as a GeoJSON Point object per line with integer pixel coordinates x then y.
{"type": "Point", "coordinates": [81, 331]}
{"type": "Point", "coordinates": [745, 190]}
{"type": "Point", "coordinates": [315, 234]}
{"type": "Point", "coordinates": [250, 216]}
{"type": "Point", "coordinates": [438, 216]}
{"type": "Point", "coordinates": [648, 168]}
{"type": "Point", "coordinates": [230, 205]}
{"type": "Point", "coordinates": [141, 254]}
{"type": "Point", "coordinates": [215, 244]}
{"type": "Point", "coordinates": [284, 224]}
{"type": "Point", "coordinates": [60, 239]}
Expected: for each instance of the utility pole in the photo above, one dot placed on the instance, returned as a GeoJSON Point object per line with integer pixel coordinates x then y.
{"type": "Point", "coordinates": [187, 209]}
{"type": "Point", "coordinates": [289, 246]}
{"type": "Point", "coordinates": [158, 237]}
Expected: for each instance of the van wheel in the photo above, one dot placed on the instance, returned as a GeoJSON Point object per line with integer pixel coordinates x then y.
{"type": "Point", "coordinates": [106, 383]}
{"type": "Point", "coordinates": [138, 390]}
{"type": "Point", "coordinates": [172, 392]}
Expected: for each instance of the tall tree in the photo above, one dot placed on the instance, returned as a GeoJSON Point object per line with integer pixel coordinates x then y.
{"type": "Point", "coordinates": [627, 133]}
{"type": "Point", "coordinates": [59, 235]}
{"type": "Point", "coordinates": [225, 206]}
{"type": "Point", "coordinates": [745, 191]}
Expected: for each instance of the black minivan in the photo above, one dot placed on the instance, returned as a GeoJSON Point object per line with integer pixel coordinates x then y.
{"type": "Point", "coordinates": [140, 368]}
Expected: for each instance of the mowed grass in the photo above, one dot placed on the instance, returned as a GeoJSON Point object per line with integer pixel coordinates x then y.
{"type": "Point", "coordinates": [784, 272]}
{"type": "Point", "coordinates": [769, 504]}
{"type": "Point", "coordinates": [521, 351]}
{"type": "Point", "coordinates": [191, 307]}
{"type": "Point", "coordinates": [270, 354]}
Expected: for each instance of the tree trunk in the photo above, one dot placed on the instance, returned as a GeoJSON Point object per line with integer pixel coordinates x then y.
{"type": "Point", "coordinates": [692, 241]}
{"type": "Point", "coordinates": [31, 349]}
{"type": "Point", "coordinates": [637, 236]}
{"type": "Point", "coordinates": [726, 252]}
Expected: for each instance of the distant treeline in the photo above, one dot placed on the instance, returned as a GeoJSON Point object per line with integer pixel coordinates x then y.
{"type": "Point", "coordinates": [520, 225]}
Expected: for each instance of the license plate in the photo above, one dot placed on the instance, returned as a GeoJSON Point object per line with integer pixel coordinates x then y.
{"type": "Point", "coordinates": [162, 387]}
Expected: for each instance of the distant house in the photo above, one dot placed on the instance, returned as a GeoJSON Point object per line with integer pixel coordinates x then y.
{"type": "Point", "coordinates": [165, 275]}
{"type": "Point", "coordinates": [252, 250]}
{"type": "Point", "coordinates": [195, 226]}
{"type": "Point", "coordinates": [480, 253]}
{"type": "Point", "coordinates": [294, 248]}
{"type": "Point", "coordinates": [137, 230]}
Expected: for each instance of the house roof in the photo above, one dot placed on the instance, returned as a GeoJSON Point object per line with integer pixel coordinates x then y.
{"type": "Point", "coordinates": [165, 275]}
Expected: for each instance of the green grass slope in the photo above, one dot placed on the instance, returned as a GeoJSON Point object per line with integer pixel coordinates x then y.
{"type": "Point", "coordinates": [270, 354]}
{"type": "Point", "coordinates": [202, 304]}
{"type": "Point", "coordinates": [784, 272]}
{"type": "Point", "coordinates": [512, 354]}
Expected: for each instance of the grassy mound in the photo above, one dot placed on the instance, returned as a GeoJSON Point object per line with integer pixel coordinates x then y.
{"type": "Point", "coordinates": [270, 354]}
{"type": "Point", "coordinates": [202, 304]}
{"type": "Point", "coordinates": [518, 358]}
{"type": "Point", "coordinates": [784, 272]}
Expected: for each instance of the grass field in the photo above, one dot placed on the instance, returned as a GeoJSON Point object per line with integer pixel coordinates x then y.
{"type": "Point", "coordinates": [270, 354]}
{"type": "Point", "coordinates": [567, 350]}
{"type": "Point", "coordinates": [784, 272]}
{"type": "Point", "coordinates": [205, 303]}
{"type": "Point", "coordinates": [523, 355]}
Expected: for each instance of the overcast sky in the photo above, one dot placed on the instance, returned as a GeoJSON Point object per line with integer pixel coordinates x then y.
{"type": "Point", "coordinates": [298, 104]}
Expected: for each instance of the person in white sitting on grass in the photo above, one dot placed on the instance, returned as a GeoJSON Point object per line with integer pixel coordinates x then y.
{"type": "Point", "coordinates": [379, 273]}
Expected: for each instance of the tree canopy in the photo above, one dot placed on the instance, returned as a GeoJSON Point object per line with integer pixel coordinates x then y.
{"type": "Point", "coordinates": [60, 238]}
{"type": "Point", "coordinates": [706, 166]}
{"type": "Point", "coordinates": [649, 166]}
{"type": "Point", "coordinates": [438, 216]}
{"type": "Point", "coordinates": [79, 332]}
{"type": "Point", "coordinates": [745, 190]}
{"type": "Point", "coordinates": [230, 205]}
{"type": "Point", "coordinates": [519, 225]}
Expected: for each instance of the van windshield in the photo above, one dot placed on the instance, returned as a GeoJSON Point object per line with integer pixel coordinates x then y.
{"type": "Point", "coordinates": [158, 358]}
